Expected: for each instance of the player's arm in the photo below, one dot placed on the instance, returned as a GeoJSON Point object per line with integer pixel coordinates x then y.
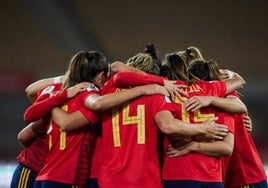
{"type": "Point", "coordinates": [229, 104]}
{"type": "Point", "coordinates": [169, 125]}
{"type": "Point", "coordinates": [216, 148]}
{"type": "Point", "coordinates": [136, 77]}
{"type": "Point", "coordinates": [42, 107]}
{"type": "Point", "coordinates": [126, 79]}
{"type": "Point", "coordinates": [233, 81]}
{"type": "Point", "coordinates": [32, 90]}
{"type": "Point", "coordinates": [28, 133]}
{"type": "Point", "coordinates": [69, 121]}
{"type": "Point", "coordinates": [96, 102]}
{"type": "Point", "coordinates": [100, 103]}
{"type": "Point", "coordinates": [119, 66]}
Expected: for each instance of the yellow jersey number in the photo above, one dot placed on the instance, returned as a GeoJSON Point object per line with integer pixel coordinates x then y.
{"type": "Point", "coordinates": [139, 120]}
{"type": "Point", "coordinates": [62, 133]}
{"type": "Point", "coordinates": [198, 116]}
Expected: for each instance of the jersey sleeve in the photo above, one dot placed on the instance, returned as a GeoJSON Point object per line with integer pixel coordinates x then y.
{"type": "Point", "coordinates": [228, 120]}
{"type": "Point", "coordinates": [216, 88]}
{"type": "Point", "coordinates": [42, 107]}
{"type": "Point", "coordinates": [88, 113]}
{"type": "Point", "coordinates": [160, 102]}
{"type": "Point", "coordinates": [233, 94]}
{"type": "Point", "coordinates": [125, 79]}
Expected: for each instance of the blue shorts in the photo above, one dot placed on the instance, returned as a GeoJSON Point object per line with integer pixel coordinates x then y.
{"type": "Point", "coordinates": [262, 184]}
{"type": "Point", "coordinates": [92, 183]}
{"type": "Point", "coordinates": [191, 183]}
{"type": "Point", "coordinates": [23, 177]}
{"type": "Point", "coordinates": [53, 184]}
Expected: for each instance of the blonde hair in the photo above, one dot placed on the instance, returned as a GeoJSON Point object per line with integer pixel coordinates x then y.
{"type": "Point", "coordinates": [144, 62]}
{"type": "Point", "coordinates": [190, 54]}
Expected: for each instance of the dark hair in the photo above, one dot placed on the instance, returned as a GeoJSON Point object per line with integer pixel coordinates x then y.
{"type": "Point", "coordinates": [150, 49]}
{"type": "Point", "coordinates": [84, 66]}
{"type": "Point", "coordinates": [177, 67]}
{"type": "Point", "coordinates": [204, 70]}
{"type": "Point", "coordinates": [199, 69]}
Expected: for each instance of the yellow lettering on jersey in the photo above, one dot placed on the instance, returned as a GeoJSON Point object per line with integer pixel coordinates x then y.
{"type": "Point", "coordinates": [185, 116]}
{"type": "Point", "coordinates": [115, 122]}
{"type": "Point", "coordinates": [139, 119]}
{"type": "Point", "coordinates": [63, 133]}
{"type": "Point", "coordinates": [198, 116]}
{"type": "Point", "coordinates": [194, 88]}
{"type": "Point", "coordinates": [62, 139]}
{"type": "Point", "coordinates": [49, 135]}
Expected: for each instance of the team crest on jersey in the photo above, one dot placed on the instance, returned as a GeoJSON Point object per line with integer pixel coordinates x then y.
{"type": "Point", "coordinates": [92, 87]}
{"type": "Point", "coordinates": [48, 90]}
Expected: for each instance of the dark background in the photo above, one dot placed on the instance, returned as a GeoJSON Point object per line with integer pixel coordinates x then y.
{"type": "Point", "coordinates": [37, 39]}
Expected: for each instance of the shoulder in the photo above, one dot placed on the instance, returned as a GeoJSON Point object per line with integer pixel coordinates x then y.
{"type": "Point", "coordinates": [92, 87]}
{"type": "Point", "coordinates": [50, 89]}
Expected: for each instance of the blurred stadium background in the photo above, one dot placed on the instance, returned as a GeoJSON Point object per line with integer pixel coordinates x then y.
{"type": "Point", "coordinates": [39, 37]}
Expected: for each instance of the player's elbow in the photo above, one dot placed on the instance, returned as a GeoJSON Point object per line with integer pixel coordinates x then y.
{"type": "Point", "coordinates": [241, 108]}
{"type": "Point", "coordinates": [116, 66]}
{"type": "Point", "coordinates": [23, 140]}
{"type": "Point", "coordinates": [225, 151]}
{"type": "Point", "coordinates": [20, 138]}
{"type": "Point", "coordinates": [241, 80]}
{"type": "Point", "coordinates": [165, 126]}
{"type": "Point", "coordinates": [165, 122]}
{"type": "Point", "coordinates": [65, 128]}
{"type": "Point", "coordinates": [28, 91]}
{"type": "Point", "coordinates": [228, 151]}
{"type": "Point", "coordinates": [65, 125]}
{"type": "Point", "coordinates": [98, 105]}
{"type": "Point", "coordinates": [30, 94]}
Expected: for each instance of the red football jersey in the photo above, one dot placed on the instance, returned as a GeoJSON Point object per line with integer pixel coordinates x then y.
{"type": "Point", "coordinates": [68, 160]}
{"type": "Point", "coordinates": [130, 155]}
{"type": "Point", "coordinates": [96, 158]}
{"type": "Point", "coordinates": [195, 166]}
{"type": "Point", "coordinates": [125, 79]}
{"type": "Point", "coordinates": [245, 165]}
{"type": "Point", "coordinates": [121, 79]}
{"type": "Point", "coordinates": [45, 103]}
{"type": "Point", "coordinates": [34, 155]}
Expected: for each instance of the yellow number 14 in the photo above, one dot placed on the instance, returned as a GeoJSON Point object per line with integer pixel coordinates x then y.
{"type": "Point", "coordinates": [139, 119]}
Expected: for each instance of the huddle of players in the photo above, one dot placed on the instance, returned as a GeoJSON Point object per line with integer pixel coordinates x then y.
{"type": "Point", "coordinates": [67, 145]}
